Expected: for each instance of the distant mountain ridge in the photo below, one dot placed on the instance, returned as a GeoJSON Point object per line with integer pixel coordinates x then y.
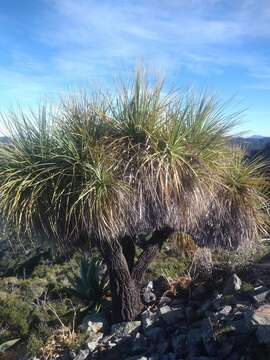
{"type": "Point", "coordinates": [256, 137]}
{"type": "Point", "coordinates": [252, 144]}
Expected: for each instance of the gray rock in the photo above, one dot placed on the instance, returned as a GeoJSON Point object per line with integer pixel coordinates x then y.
{"type": "Point", "coordinates": [148, 319]}
{"type": "Point", "coordinates": [217, 302]}
{"type": "Point", "coordinates": [163, 310]}
{"type": "Point", "coordinates": [171, 316]}
{"type": "Point", "coordinates": [148, 297]}
{"type": "Point", "coordinates": [225, 310]}
{"type": "Point", "coordinates": [232, 285]}
{"type": "Point", "coordinates": [93, 341]}
{"type": "Point", "coordinates": [125, 328]}
{"type": "Point", "coordinates": [139, 344]}
{"type": "Point", "coordinates": [260, 316]}
{"type": "Point", "coordinates": [260, 319]}
{"type": "Point", "coordinates": [139, 357]}
{"type": "Point", "coordinates": [165, 300]}
{"type": "Point", "coordinates": [64, 356]}
{"type": "Point", "coordinates": [242, 307]}
{"type": "Point", "coordinates": [263, 334]}
{"type": "Point", "coordinates": [83, 354]}
{"type": "Point", "coordinates": [95, 323]}
{"type": "Point", "coordinates": [260, 294]}
{"type": "Point", "coordinates": [208, 337]}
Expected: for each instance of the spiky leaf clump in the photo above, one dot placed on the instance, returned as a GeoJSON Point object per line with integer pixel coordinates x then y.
{"type": "Point", "coordinates": [238, 214]}
{"type": "Point", "coordinates": [104, 167]}
{"type": "Point", "coordinates": [92, 284]}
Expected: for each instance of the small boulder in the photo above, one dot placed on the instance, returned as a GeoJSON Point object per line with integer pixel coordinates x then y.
{"type": "Point", "coordinates": [165, 300]}
{"type": "Point", "coordinates": [147, 319]}
{"type": "Point", "coordinates": [83, 354]}
{"type": "Point", "coordinates": [171, 316]}
{"type": "Point", "coordinates": [148, 297]}
{"type": "Point", "coordinates": [225, 311]}
{"type": "Point", "coordinates": [93, 341]}
{"type": "Point", "coordinates": [94, 323]}
{"type": "Point", "coordinates": [260, 319]}
{"type": "Point", "coordinates": [260, 294]}
{"type": "Point", "coordinates": [139, 344]}
{"type": "Point", "coordinates": [232, 285]}
{"type": "Point", "coordinates": [125, 328]}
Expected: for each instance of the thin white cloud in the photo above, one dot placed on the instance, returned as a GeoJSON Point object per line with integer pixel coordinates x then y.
{"type": "Point", "coordinates": [88, 34]}
{"type": "Point", "coordinates": [93, 39]}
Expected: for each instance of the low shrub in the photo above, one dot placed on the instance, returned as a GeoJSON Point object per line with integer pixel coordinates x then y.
{"type": "Point", "coordinates": [14, 314]}
{"type": "Point", "coordinates": [34, 345]}
{"type": "Point", "coordinates": [170, 266]}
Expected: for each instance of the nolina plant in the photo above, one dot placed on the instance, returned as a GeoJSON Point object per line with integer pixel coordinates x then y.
{"type": "Point", "coordinates": [111, 167]}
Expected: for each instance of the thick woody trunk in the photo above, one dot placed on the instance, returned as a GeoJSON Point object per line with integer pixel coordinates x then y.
{"type": "Point", "coordinates": [125, 276]}
{"type": "Point", "coordinates": [126, 302]}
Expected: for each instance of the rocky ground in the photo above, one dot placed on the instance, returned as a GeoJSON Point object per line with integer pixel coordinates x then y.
{"type": "Point", "coordinates": [229, 320]}
{"type": "Point", "coordinates": [220, 315]}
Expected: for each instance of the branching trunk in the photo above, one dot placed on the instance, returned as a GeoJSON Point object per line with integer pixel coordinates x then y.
{"type": "Point", "coordinates": [125, 293]}
{"type": "Point", "coordinates": [152, 248]}
{"type": "Point", "coordinates": [144, 261]}
{"type": "Point", "coordinates": [125, 277]}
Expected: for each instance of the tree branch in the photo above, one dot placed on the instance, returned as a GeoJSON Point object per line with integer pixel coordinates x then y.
{"type": "Point", "coordinates": [153, 247]}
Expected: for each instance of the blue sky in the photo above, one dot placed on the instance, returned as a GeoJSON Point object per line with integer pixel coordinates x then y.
{"type": "Point", "coordinates": [50, 46]}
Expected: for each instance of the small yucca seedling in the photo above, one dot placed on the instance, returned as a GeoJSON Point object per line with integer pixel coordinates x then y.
{"type": "Point", "coordinates": [92, 283]}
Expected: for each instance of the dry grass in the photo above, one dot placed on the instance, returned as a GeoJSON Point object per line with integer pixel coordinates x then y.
{"type": "Point", "coordinates": [63, 339]}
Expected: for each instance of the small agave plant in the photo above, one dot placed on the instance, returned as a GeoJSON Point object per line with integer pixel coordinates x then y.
{"type": "Point", "coordinates": [92, 283]}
